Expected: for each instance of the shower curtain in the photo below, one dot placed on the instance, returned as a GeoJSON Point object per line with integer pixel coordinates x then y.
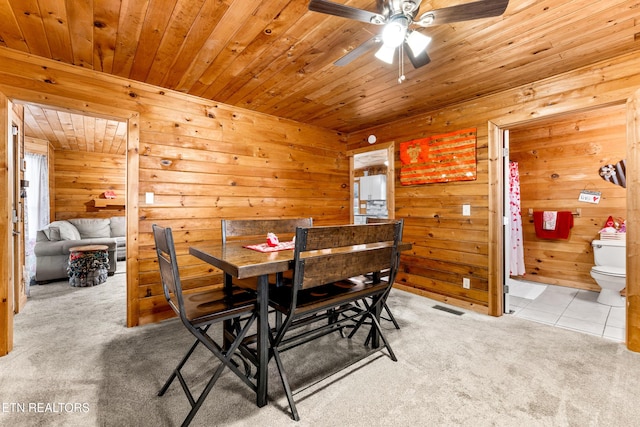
{"type": "Point", "coordinates": [36, 205]}
{"type": "Point", "coordinates": [516, 258]}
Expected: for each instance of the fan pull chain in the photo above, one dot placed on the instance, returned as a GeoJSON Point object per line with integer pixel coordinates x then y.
{"type": "Point", "coordinates": [401, 77]}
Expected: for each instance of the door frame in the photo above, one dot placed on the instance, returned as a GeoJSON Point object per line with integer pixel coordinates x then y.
{"type": "Point", "coordinates": [6, 268]}
{"type": "Point", "coordinates": [391, 174]}
{"type": "Point", "coordinates": [132, 118]}
{"type": "Point", "coordinates": [18, 231]}
{"type": "Point", "coordinates": [496, 202]}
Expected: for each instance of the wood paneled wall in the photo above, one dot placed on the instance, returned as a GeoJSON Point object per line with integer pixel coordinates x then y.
{"type": "Point", "coordinates": [227, 162]}
{"type": "Point", "coordinates": [230, 164]}
{"type": "Point", "coordinates": [203, 161]}
{"type": "Point", "coordinates": [557, 159]}
{"type": "Point", "coordinates": [79, 178]}
{"type": "Point", "coordinates": [36, 146]}
{"type": "Point", "coordinates": [448, 246]}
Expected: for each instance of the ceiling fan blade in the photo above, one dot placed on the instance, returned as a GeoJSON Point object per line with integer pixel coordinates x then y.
{"type": "Point", "coordinates": [356, 52]}
{"type": "Point", "coordinates": [417, 60]}
{"type": "Point", "coordinates": [337, 9]}
{"type": "Point", "coordinates": [463, 12]}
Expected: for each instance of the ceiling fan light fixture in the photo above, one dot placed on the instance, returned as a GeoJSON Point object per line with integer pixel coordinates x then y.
{"type": "Point", "coordinates": [426, 19]}
{"type": "Point", "coordinates": [386, 53]}
{"type": "Point", "coordinates": [396, 16]}
{"type": "Point", "coordinates": [409, 6]}
{"type": "Point", "coordinates": [395, 31]}
{"type": "Point", "coordinates": [418, 42]}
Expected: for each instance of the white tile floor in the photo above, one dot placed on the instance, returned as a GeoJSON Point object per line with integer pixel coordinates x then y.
{"type": "Point", "coordinates": [571, 308]}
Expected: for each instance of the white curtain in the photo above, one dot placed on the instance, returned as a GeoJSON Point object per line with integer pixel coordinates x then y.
{"type": "Point", "coordinates": [36, 204]}
{"type": "Point", "coordinates": [516, 258]}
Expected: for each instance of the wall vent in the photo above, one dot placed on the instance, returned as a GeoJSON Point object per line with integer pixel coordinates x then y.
{"type": "Point", "coordinates": [448, 310]}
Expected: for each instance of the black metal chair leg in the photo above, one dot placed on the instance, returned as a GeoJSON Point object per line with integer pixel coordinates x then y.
{"type": "Point", "coordinates": [285, 384]}
{"type": "Point", "coordinates": [384, 340]}
{"type": "Point", "coordinates": [391, 316]}
{"type": "Point", "coordinates": [175, 372]}
{"type": "Point", "coordinates": [196, 406]}
{"type": "Point", "coordinates": [226, 361]}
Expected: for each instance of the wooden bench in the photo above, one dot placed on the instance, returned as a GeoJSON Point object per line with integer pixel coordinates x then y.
{"type": "Point", "coordinates": [323, 299]}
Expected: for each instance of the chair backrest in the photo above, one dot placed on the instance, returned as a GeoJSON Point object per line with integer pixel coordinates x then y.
{"type": "Point", "coordinates": [355, 250]}
{"type": "Point", "coordinates": [168, 264]}
{"type": "Point", "coordinates": [236, 229]}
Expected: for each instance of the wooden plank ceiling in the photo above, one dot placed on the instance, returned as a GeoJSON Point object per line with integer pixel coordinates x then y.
{"type": "Point", "coordinates": [75, 132]}
{"type": "Point", "coordinates": [276, 56]}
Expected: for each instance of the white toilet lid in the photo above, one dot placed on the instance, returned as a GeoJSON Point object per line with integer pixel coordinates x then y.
{"type": "Point", "coordinates": [609, 271]}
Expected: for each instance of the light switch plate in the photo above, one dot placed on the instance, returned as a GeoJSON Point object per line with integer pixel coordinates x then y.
{"type": "Point", "coordinates": [466, 210]}
{"type": "Point", "coordinates": [148, 198]}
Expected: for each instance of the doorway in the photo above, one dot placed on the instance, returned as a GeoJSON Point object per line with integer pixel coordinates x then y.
{"type": "Point", "coordinates": [559, 158]}
{"type": "Point", "coordinates": [87, 155]}
{"type": "Point", "coordinates": [372, 182]}
{"type": "Point", "coordinates": [130, 120]}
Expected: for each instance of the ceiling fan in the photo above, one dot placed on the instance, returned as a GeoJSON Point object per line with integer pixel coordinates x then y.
{"type": "Point", "coordinates": [397, 16]}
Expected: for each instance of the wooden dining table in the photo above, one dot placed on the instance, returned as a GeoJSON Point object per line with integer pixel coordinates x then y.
{"type": "Point", "coordinates": [235, 260]}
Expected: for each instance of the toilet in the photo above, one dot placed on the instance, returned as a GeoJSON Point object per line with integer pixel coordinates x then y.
{"type": "Point", "coordinates": [610, 270]}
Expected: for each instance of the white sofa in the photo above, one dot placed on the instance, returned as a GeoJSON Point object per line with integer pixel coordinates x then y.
{"type": "Point", "coordinates": [53, 243]}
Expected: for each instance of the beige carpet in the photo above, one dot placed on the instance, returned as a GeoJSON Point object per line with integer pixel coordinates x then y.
{"type": "Point", "coordinates": [75, 364]}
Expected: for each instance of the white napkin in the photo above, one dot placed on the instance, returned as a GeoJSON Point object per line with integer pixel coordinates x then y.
{"type": "Point", "coordinates": [549, 220]}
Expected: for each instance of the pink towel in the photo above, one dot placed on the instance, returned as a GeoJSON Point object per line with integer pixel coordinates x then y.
{"type": "Point", "coordinates": [564, 223]}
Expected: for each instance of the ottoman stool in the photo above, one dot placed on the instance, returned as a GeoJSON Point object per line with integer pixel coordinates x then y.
{"type": "Point", "coordinates": [88, 265]}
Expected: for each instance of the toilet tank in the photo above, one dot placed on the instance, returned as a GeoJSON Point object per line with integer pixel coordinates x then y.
{"type": "Point", "coordinates": [610, 252]}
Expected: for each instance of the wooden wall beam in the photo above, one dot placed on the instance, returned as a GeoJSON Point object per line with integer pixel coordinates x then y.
{"type": "Point", "coordinates": [633, 223]}
{"type": "Point", "coordinates": [133, 212]}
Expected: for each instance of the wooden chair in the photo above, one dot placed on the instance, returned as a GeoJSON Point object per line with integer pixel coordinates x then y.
{"type": "Point", "coordinates": [322, 296]}
{"type": "Point", "coordinates": [198, 311]}
{"type": "Point", "coordinates": [372, 220]}
{"type": "Point", "coordinates": [247, 229]}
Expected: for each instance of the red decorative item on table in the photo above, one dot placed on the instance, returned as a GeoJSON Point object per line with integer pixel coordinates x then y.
{"type": "Point", "coordinates": [272, 240]}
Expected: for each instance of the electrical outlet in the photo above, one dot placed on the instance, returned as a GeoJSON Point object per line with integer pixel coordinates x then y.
{"type": "Point", "coordinates": [466, 283]}
{"type": "Point", "coordinates": [466, 210]}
